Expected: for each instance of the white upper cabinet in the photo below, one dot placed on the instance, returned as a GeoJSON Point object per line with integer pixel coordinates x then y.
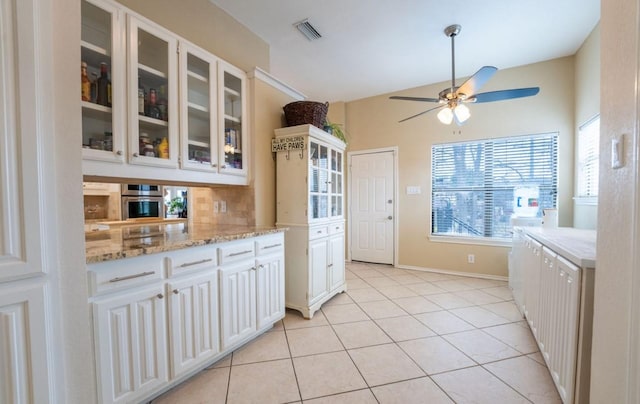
{"type": "Point", "coordinates": [153, 95]}
{"type": "Point", "coordinates": [156, 105]}
{"type": "Point", "coordinates": [198, 108]}
{"type": "Point", "coordinates": [232, 125]}
{"type": "Point", "coordinates": [103, 79]}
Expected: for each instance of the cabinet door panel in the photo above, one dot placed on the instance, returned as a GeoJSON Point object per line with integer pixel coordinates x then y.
{"type": "Point", "coordinates": [193, 321]}
{"type": "Point", "coordinates": [237, 302]}
{"type": "Point", "coordinates": [270, 290]}
{"type": "Point", "coordinates": [23, 378]}
{"type": "Point", "coordinates": [131, 343]}
{"type": "Point", "coordinates": [318, 276]}
{"type": "Point", "coordinates": [336, 261]}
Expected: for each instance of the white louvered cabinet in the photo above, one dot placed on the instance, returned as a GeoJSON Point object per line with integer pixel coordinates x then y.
{"type": "Point", "coordinates": [131, 344]}
{"type": "Point", "coordinates": [559, 304]}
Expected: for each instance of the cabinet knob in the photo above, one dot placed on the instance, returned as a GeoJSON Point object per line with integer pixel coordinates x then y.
{"type": "Point", "coordinates": [119, 152]}
{"type": "Point", "coordinates": [135, 154]}
{"type": "Point", "coordinates": [223, 166]}
{"type": "Point", "coordinates": [214, 165]}
{"type": "Point", "coordinates": [160, 295]}
{"type": "Point", "coordinates": [175, 291]}
{"type": "Point", "coordinates": [389, 217]}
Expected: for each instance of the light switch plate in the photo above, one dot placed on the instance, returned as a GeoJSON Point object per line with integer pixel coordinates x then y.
{"type": "Point", "coordinates": [216, 207]}
{"type": "Point", "coordinates": [617, 151]}
{"type": "Point", "coordinates": [223, 206]}
{"type": "Point", "coordinates": [413, 190]}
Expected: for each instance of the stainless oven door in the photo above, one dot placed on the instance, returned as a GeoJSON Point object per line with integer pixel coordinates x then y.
{"type": "Point", "coordinates": [141, 190]}
{"type": "Point", "coordinates": [135, 207]}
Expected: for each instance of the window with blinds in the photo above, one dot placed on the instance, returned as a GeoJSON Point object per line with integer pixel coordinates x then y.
{"type": "Point", "coordinates": [473, 183]}
{"type": "Point", "coordinates": [588, 158]}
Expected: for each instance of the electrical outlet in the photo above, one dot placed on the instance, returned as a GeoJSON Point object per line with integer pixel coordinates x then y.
{"type": "Point", "coordinates": [471, 259]}
{"type": "Point", "coordinates": [223, 206]}
{"type": "Point", "coordinates": [216, 207]}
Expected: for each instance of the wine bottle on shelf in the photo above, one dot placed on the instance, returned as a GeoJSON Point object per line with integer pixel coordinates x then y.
{"type": "Point", "coordinates": [152, 108]}
{"type": "Point", "coordinates": [104, 86]}
{"type": "Point", "coordinates": [162, 102]}
{"type": "Point", "coordinates": [94, 88]}
{"type": "Point", "coordinates": [86, 83]}
{"type": "Point", "coordinates": [140, 97]}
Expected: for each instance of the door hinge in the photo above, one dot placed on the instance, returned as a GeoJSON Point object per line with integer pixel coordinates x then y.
{"type": "Point", "coordinates": [306, 251]}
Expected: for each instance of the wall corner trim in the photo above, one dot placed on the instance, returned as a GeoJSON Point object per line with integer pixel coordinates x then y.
{"type": "Point", "coordinates": [262, 75]}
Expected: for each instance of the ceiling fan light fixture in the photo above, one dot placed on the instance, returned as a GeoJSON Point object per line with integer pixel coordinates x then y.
{"type": "Point", "coordinates": [445, 115]}
{"type": "Point", "coordinates": [461, 113]}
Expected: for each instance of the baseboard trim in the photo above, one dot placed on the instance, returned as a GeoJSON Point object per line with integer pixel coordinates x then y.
{"type": "Point", "coordinates": [457, 273]}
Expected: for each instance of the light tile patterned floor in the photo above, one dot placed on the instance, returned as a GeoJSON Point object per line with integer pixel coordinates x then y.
{"type": "Point", "coordinates": [396, 336]}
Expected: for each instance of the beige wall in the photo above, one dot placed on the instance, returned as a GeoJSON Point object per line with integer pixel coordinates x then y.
{"type": "Point", "coordinates": [267, 115]}
{"type": "Point", "coordinates": [209, 27]}
{"type": "Point", "coordinates": [587, 106]}
{"type": "Point", "coordinates": [373, 123]}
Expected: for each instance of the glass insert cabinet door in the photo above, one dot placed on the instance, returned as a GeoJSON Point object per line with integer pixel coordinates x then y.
{"type": "Point", "coordinates": [152, 95]}
{"type": "Point", "coordinates": [232, 131]}
{"type": "Point", "coordinates": [336, 184]}
{"type": "Point", "coordinates": [318, 181]}
{"type": "Point", "coordinates": [102, 76]}
{"type": "Point", "coordinates": [198, 79]}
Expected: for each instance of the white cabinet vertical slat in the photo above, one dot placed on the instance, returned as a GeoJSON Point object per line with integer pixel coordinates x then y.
{"type": "Point", "coordinates": [193, 321]}
{"type": "Point", "coordinates": [270, 290]}
{"type": "Point", "coordinates": [23, 345]}
{"type": "Point", "coordinates": [336, 261]}
{"type": "Point", "coordinates": [131, 344]}
{"type": "Point", "coordinates": [14, 381]}
{"type": "Point", "coordinates": [238, 302]}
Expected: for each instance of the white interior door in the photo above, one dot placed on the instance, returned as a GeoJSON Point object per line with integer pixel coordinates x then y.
{"type": "Point", "coordinates": [372, 207]}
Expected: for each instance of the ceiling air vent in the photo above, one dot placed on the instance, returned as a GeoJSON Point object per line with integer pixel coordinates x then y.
{"type": "Point", "coordinates": [307, 30]}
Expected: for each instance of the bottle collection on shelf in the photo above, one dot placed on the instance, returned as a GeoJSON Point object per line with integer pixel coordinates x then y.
{"type": "Point", "coordinates": [153, 103]}
{"type": "Point", "coordinates": [98, 90]}
{"type": "Point", "coordinates": [153, 148]}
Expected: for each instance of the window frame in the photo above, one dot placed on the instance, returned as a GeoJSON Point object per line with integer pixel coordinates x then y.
{"type": "Point", "coordinates": [492, 240]}
{"type": "Point", "coordinates": [586, 198]}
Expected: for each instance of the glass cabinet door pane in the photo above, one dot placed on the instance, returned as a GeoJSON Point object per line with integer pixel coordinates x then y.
{"type": "Point", "coordinates": [314, 206]}
{"type": "Point", "coordinates": [338, 161]}
{"type": "Point", "coordinates": [314, 179]}
{"type": "Point", "coordinates": [232, 121]}
{"type": "Point", "coordinates": [324, 206]}
{"type": "Point", "coordinates": [97, 61]}
{"type": "Point", "coordinates": [153, 96]}
{"type": "Point", "coordinates": [198, 112]}
{"type": "Point", "coordinates": [324, 181]}
{"type": "Point", "coordinates": [323, 157]}
{"type": "Point", "coordinates": [313, 154]}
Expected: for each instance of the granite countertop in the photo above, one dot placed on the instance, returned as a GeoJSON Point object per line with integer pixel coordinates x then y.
{"type": "Point", "coordinates": [132, 241]}
{"type": "Point", "coordinates": [576, 245]}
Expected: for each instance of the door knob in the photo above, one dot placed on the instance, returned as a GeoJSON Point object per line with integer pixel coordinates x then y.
{"type": "Point", "coordinates": [390, 217]}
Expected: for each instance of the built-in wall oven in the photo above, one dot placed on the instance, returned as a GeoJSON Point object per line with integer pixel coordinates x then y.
{"type": "Point", "coordinates": [142, 201]}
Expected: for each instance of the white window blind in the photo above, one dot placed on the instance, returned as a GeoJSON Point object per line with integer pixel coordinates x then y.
{"type": "Point", "coordinates": [473, 182]}
{"type": "Point", "coordinates": [588, 158]}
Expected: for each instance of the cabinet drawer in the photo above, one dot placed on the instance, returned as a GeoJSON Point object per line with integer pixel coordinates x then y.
{"type": "Point", "coordinates": [236, 251]}
{"type": "Point", "coordinates": [117, 275]}
{"type": "Point", "coordinates": [335, 228]}
{"type": "Point", "coordinates": [318, 232]}
{"type": "Point", "coordinates": [191, 259]}
{"type": "Point", "coordinates": [269, 244]}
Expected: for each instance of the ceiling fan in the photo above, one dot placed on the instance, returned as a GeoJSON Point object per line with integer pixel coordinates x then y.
{"type": "Point", "coordinates": [452, 100]}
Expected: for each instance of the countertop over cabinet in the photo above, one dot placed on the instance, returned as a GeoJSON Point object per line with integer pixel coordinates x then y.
{"type": "Point", "coordinates": [576, 245]}
{"type": "Point", "coordinates": [133, 241]}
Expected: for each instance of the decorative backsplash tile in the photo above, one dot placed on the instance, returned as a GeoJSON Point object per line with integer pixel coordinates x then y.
{"type": "Point", "coordinates": [239, 202]}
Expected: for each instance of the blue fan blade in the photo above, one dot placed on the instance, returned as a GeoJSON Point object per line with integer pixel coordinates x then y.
{"type": "Point", "coordinates": [505, 94]}
{"type": "Point", "coordinates": [476, 81]}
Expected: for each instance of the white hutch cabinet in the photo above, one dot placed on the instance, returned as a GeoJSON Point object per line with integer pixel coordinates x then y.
{"type": "Point", "coordinates": [310, 202]}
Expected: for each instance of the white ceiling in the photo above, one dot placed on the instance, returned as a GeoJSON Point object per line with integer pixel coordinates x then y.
{"type": "Point", "coordinates": [371, 47]}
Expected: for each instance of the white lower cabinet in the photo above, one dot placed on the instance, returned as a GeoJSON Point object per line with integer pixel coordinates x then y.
{"type": "Point", "coordinates": [336, 264]}
{"type": "Point", "coordinates": [315, 268]}
{"type": "Point", "coordinates": [237, 302]}
{"type": "Point", "coordinates": [193, 320]}
{"type": "Point", "coordinates": [208, 300]}
{"type": "Point", "coordinates": [318, 274]}
{"type": "Point", "coordinates": [558, 303]}
{"type": "Point", "coordinates": [131, 344]}
{"type": "Point", "coordinates": [270, 290]}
